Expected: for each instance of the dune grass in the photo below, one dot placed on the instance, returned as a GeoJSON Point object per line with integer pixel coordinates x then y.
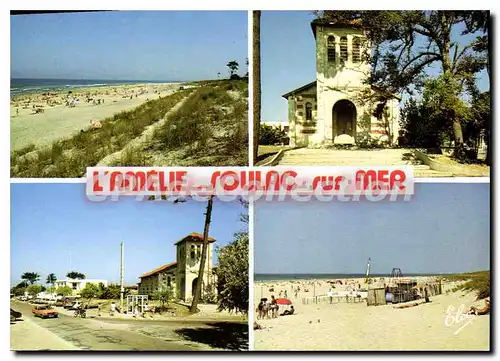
{"type": "Point", "coordinates": [478, 282]}
{"type": "Point", "coordinates": [70, 157]}
{"type": "Point", "coordinates": [210, 128]}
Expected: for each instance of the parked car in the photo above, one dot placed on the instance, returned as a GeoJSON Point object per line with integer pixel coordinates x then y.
{"type": "Point", "coordinates": [14, 315]}
{"type": "Point", "coordinates": [45, 311]}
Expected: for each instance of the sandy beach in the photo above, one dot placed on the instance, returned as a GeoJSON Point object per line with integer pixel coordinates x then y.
{"type": "Point", "coordinates": [66, 113]}
{"type": "Point", "coordinates": [353, 326]}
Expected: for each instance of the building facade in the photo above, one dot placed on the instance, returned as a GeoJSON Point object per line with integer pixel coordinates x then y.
{"type": "Point", "coordinates": [182, 275]}
{"type": "Point", "coordinates": [77, 285]}
{"type": "Point", "coordinates": [338, 107]}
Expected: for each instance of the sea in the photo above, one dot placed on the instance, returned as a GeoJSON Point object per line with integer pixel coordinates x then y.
{"type": "Point", "coordinates": [23, 86]}
{"type": "Point", "coordinates": [266, 277]}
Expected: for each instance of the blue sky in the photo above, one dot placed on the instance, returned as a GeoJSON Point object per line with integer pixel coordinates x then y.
{"type": "Point", "coordinates": [288, 59]}
{"type": "Point", "coordinates": [51, 221]}
{"type": "Point", "coordinates": [443, 228]}
{"type": "Point", "coordinates": [129, 45]}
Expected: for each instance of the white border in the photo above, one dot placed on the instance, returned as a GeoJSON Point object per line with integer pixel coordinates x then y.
{"type": "Point", "coordinates": [198, 5]}
{"type": "Point", "coordinates": [251, 308]}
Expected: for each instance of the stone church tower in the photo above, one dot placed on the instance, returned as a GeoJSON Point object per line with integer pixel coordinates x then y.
{"type": "Point", "coordinates": [331, 110]}
{"type": "Point", "coordinates": [188, 263]}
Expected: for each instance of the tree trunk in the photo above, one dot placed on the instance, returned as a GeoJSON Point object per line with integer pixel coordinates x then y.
{"type": "Point", "coordinates": [256, 84]}
{"type": "Point", "coordinates": [197, 293]}
{"type": "Point", "coordinates": [444, 47]}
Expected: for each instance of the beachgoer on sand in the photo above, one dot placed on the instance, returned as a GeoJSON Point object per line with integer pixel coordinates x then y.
{"type": "Point", "coordinates": [480, 311]}
{"type": "Point", "coordinates": [260, 310]}
{"type": "Point", "coordinates": [288, 312]}
{"type": "Point", "coordinates": [274, 307]}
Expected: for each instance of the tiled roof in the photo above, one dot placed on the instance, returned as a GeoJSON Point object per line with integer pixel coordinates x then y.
{"type": "Point", "coordinates": [196, 237]}
{"type": "Point", "coordinates": [304, 87]}
{"type": "Point", "coordinates": [159, 269]}
{"type": "Point", "coordinates": [354, 23]}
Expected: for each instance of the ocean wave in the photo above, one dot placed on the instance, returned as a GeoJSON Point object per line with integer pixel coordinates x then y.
{"type": "Point", "coordinates": [84, 85]}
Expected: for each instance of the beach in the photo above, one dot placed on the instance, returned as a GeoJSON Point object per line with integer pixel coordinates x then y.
{"type": "Point", "coordinates": [66, 112]}
{"type": "Point", "coordinates": [353, 326]}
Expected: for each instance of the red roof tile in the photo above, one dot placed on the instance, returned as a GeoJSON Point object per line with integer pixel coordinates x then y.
{"type": "Point", "coordinates": [159, 269]}
{"type": "Point", "coordinates": [196, 237]}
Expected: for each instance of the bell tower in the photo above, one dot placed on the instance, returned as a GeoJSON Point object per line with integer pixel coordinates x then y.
{"type": "Point", "coordinates": [341, 54]}
{"type": "Point", "coordinates": [189, 251]}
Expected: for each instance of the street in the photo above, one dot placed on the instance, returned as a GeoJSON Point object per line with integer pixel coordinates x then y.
{"type": "Point", "coordinates": [123, 334]}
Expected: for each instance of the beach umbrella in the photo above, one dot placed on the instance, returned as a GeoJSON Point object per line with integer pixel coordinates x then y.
{"type": "Point", "coordinates": [283, 301]}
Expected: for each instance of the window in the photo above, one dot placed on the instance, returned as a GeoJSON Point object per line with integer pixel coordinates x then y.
{"type": "Point", "coordinates": [343, 49]}
{"type": "Point", "coordinates": [308, 111]}
{"type": "Point", "coordinates": [199, 250]}
{"type": "Point", "coordinates": [193, 252]}
{"type": "Point", "coordinates": [356, 50]}
{"type": "Point", "coordinates": [169, 282]}
{"type": "Point", "coordinates": [331, 49]}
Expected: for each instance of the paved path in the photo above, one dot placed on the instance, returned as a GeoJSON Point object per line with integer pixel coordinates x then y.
{"type": "Point", "coordinates": [375, 157]}
{"type": "Point", "coordinates": [67, 332]}
{"type": "Point", "coordinates": [28, 335]}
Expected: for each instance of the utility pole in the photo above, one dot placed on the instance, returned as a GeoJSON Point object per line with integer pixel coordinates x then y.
{"type": "Point", "coordinates": [122, 289]}
{"type": "Point", "coordinates": [204, 252]}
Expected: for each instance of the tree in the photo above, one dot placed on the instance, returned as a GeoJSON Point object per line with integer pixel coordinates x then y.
{"type": "Point", "coordinates": [31, 277]}
{"type": "Point", "coordinates": [74, 275]}
{"type": "Point", "coordinates": [34, 290]}
{"type": "Point", "coordinates": [89, 292]}
{"type": "Point", "coordinates": [232, 272]}
{"type": "Point", "coordinates": [480, 121]}
{"type": "Point", "coordinates": [164, 295]}
{"type": "Point", "coordinates": [19, 289]}
{"type": "Point", "coordinates": [270, 135]}
{"type": "Point", "coordinates": [51, 279]}
{"type": "Point", "coordinates": [204, 251]}
{"type": "Point", "coordinates": [112, 291]}
{"type": "Point", "coordinates": [406, 43]}
{"type": "Point", "coordinates": [64, 291]}
{"type": "Point", "coordinates": [256, 83]}
{"type": "Point", "coordinates": [233, 68]}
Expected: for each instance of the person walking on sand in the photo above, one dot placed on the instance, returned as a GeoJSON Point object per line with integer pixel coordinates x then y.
{"type": "Point", "coordinates": [274, 307]}
{"type": "Point", "coordinates": [99, 310]}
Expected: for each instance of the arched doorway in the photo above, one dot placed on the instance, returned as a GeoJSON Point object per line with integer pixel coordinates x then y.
{"type": "Point", "coordinates": [344, 118]}
{"type": "Point", "coordinates": [193, 287]}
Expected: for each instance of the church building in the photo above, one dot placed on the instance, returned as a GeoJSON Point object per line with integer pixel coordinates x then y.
{"type": "Point", "coordinates": [338, 107]}
{"type": "Point", "coordinates": [182, 275]}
